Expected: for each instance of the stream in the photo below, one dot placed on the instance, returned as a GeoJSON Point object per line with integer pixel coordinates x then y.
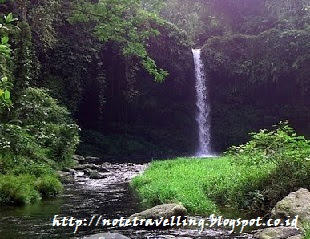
{"type": "Point", "coordinates": [83, 197]}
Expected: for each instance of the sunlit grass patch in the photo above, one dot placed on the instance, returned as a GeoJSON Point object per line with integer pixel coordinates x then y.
{"type": "Point", "coordinates": [201, 185]}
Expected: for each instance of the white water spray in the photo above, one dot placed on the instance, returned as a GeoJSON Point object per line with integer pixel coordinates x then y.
{"type": "Point", "coordinates": [204, 109]}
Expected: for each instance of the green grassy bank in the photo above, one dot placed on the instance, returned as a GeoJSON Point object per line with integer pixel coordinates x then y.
{"type": "Point", "coordinates": [252, 177]}
{"type": "Point", "coordinates": [201, 185]}
{"type": "Point", "coordinates": [36, 139]}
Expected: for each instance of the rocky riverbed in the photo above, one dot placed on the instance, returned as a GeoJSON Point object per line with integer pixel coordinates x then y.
{"type": "Point", "coordinates": [93, 188]}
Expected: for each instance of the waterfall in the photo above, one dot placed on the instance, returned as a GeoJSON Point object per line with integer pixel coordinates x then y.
{"type": "Point", "coordinates": [203, 105]}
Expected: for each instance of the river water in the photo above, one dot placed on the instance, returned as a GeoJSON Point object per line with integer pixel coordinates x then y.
{"type": "Point", "coordinates": [83, 197]}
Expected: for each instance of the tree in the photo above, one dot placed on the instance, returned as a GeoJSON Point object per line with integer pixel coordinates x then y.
{"type": "Point", "coordinates": [125, 23]}
{"type": "Point", "coordinates": [5, 58]}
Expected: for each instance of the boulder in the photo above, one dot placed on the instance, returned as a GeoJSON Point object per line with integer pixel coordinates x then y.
{"type": "Point", "coordinates": [69, 170]}
{"type": "Point", "coordinates": [102, 169]}
{"type": "Point", "coordinates": [87, 171]}
{"type": "Point", "coordinates": [96, 175]}
{"type": "Point", "coordinates": [107, 236]}
{"type": "Point", "coordinates": [66, 177]}
{"type": "Point", "coordinates": [277, 233]}
{"type": "Point", "coordinates": [92, 166]}
{"type": "Point", "coordinates": [80, 167]}
{"type": "Point", "coordinates": [78, 158]}
{"type": "Point", "coordinates": [165, 211]}
{"type": "Point", "coordinates": [296, 203]}
{"type": "Point", "coordinates": [296, 237]}
{"type": "Point", "coordinates": [90, 159]}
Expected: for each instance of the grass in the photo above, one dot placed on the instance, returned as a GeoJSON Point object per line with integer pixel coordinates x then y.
{"type": "Point", "coordinates": [201, 185]}
{"type": "Point", "coordinates": [307, 234]}
{"type": "Point", "coordinates": [24, 181]}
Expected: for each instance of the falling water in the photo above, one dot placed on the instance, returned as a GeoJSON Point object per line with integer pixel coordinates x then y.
{"type": "Point", "coordinates": [203, 104]}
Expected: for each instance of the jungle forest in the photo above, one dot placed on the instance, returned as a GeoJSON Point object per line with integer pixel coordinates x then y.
{"type": "Point", "coordinates": [155, 119]}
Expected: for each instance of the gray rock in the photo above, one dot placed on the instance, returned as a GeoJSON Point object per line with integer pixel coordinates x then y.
{"type": "Point", "coordinates": [296, 237]}
{"type": "Point", "coordinates": [102, 169]}
{"type": "Point", "coordinates": [90, 159]}
{"type": "Point", "coordinates": [165, 210]}
{"type": "Point", "coordinates": [92, 166]}
{"type": "Point", "coordinates": [69, 170]}
{"type": "Point", "coordinates": [107, 236]}
{"type": "Point", "coordinates": [296, 203]}
{"type": "Point", "coordinates": [96, 175]}
{"type": "Point", "coordinates": [65, 174]}
{"type": "Point", "coordinates": [66, 177]}
{"type": "Point", "coordinates": [80, 167]}
{"type": "Point", "coordinates": [78, 158]}
{"type": "Point", "coordinates": [277, 233]}
{"type": "Point", "coordinates": [85, 166]}
{"type": "Point", "coordinates": [88, 171]}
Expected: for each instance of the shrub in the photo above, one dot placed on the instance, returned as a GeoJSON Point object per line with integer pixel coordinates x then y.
{"type": "Point", "coordinates": [281, 153]}
{"type": "Point", "coordinates": [36, 107]}
{"type": "Point", "coordinates": [48, 123]}
{"type": "Point", "coordinates": [39, 138]}
{"type": "Point", "coordinates": [32, 180]}
{"type": "Point", "coordinates": [18, 190]}
{"type": "Point", "coordinates": [277, 146]}
{"type": "Point", "coordinates": [16, 165]}
{"type": "Point", "coordinates": [252, 176]}
{"type": "Point", "coordinates": [48, 186]}
{"type": "Point", "coordinates": [15, 140]}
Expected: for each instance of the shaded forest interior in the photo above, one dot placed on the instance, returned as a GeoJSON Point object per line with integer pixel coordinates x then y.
{"type": "Point", "coordinates": [256, 55]}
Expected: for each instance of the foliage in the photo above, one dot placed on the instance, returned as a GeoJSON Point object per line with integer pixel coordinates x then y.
{"type": "Point", "coordinates": [5, 94]}
{"type": "Point", "coordinates": [48, 186]}
{"type": "Point", "coordinates": [282, 151]}
{"type": "Point", "coordinates": [14, 164]}
{"type": "Point", "coordinates": [259, 80]}
{"type": "Point", "coordinates": [252, 176]}
{"type": "Point", "coordinates": [41, 16]}
{"type": "Point", "coordinates": [25, 179]}
{"type": "Point", "coordinates": [18, 190]}
{"type": "Point", "coordinates": [36, 132]}
{"type": "Point", "coordinates": [196, 18]}
{"type": "Point", "coordinates": [48, 123]}
{"type": "Point", "coordinates": [277, 146]}
{"type": "Point", "coordinates": [17, 140]}
{"type": "Point", "coordinates": [294, 13]}
{"type": "Point", "coordinates": [123, 22]}
{"type": "Point", "coordinates": [6, 25]}
{"type": "Point", "coordinates": [106, 146]}
{"type": "Point", "coordinates": [39, 138]}
{"type": "Point", "coordinates": [36, 107]}
{"type": "Point", "coordinates": [26, 69]}
{"type": "Point", "coordinates": [203, 186]}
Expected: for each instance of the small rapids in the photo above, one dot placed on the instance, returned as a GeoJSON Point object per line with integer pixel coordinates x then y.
{"type": "Point", "coordinates": [83, 197]}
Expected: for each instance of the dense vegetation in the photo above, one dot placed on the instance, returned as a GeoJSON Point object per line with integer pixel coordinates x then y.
{"type": "Point", "coordinates": [253, 176]}
{"type": "Point", "coordinates": [122, 71]}
{"type": "Point", "coordinates": [37, 136]}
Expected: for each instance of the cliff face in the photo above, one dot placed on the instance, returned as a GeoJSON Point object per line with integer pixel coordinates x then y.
{"type": "Point", "coordinates": [257, 81]}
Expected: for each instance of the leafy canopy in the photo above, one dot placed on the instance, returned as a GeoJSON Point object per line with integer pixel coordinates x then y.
{"type": "Point", "coordinates": [125, 23]}
{"type": "Point", "coordinates": [5, 56]}
{"type": "Point", "coordinates": [278, 146]}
